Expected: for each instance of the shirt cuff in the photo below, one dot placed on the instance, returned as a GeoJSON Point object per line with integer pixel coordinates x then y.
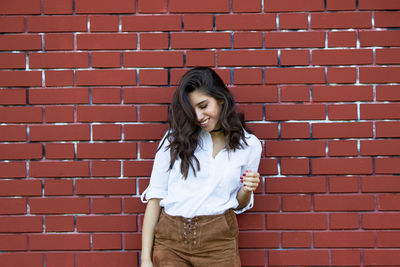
{"type": "Point", "coordinates": [150, 193]}
{"type": "Point", "coordinates": [248, 206]}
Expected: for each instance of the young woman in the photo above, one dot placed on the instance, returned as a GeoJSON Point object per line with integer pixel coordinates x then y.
{"type": "Point", "coordinates": [205, 171]}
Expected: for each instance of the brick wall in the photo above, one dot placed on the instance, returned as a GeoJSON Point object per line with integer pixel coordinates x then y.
{"type": "Point", "coordinates": [84, 89]}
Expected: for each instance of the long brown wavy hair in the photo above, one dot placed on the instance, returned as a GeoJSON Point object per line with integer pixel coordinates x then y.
{"type": "Point", "coordinates": [183, 134]}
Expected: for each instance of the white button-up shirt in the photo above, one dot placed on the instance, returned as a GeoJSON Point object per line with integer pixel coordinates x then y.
{"type": "Point", "coordinates": [213, 189]}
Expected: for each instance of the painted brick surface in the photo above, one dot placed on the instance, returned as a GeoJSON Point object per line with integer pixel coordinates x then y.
{"type": "Point", "coordinates": [84, 93]}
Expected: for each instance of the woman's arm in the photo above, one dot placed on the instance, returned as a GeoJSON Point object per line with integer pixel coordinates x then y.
{"type": "Point", "coordinates": [250, 182]}
{"type": "Point", "coordinates": [150, 220]}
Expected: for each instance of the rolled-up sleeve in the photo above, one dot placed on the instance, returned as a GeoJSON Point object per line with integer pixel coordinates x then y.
{"type": "Point", "coordinates": [158, 187]}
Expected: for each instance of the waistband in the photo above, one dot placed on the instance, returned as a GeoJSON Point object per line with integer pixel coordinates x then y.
{"type": "Point", "coordinates": [199, 219]}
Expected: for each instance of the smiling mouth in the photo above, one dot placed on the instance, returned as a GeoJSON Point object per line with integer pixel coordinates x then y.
{"type": "Point", "coordinates": [204, 123]}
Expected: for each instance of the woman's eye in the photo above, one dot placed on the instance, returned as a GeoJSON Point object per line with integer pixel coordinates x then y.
{"type": "Point", "coordinates": [203, 106]}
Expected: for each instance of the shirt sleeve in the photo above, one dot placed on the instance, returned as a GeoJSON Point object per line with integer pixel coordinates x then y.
{"type": "Point", "coordinates": [158, 187]}
{"type": "Point", "coordinates": [252, 164]}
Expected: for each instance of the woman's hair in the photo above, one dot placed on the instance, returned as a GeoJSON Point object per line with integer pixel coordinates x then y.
{"type": "Point", "coordinates": [183, 135]}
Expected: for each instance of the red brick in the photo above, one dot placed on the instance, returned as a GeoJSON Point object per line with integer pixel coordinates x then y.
{"type": "Point", "coordinates": [13, 242]}
{"type": "Point", "coordinates": [341, 20]}
{"type": "Point", "coordinates": [387, 129]}
{"type": "Point", "coordinates": [252, 257]}
{"type": "Point", "coordinates": [152, 6]}
{"type": "Point", "coordinates": [133, 205]}
{"type": "Point", "coordinates": [342, 112]}
{"type": "Point", "coordinates": [153, 59]}
{"type": "Point", "coordinates": [381, 221]}
{"type": "Point", "coordinates": [344, 240]}
{"type": "Point", "coordinates": [295, 57]}
{"type": "Point", "coordinates": [380, 147]}
{"type": "Point", "coordinates": [21, 259]}
{"type": "Point", "coordinates": [379, 74]}
{"type": "Point", "coordinates": [196, 22]}
{"type": "Point", "coordinates": [247, 39]}
{"type": "Point", "coordinates": [148, 131]}
{"type": "Point", "coordinates": [106, 59]}
{"type": "Point", "coordinates": [111, 223]}
{"type": "Point", "coordinates": [387, 56]}
{"type": "Point", "coordinates": [57, 24]}
{"type": "Point", "coordinates": [296, 221]}
{"type": "Point", "coordinates": [343, 184]}
{"type": "Point", "coordinates": [342, 130]}
{"type": "Point", "coordinates": [153, 113]}
{"type": "Point", "coordinates": [59, 132]}
{"type": "Point", "coordinates": [296, 203]}
{"type": "Point", "coordinates": [342, 57]}
{"type": "Point", "coordinates": [341, 166]}
{"type": "Point", "coordinates": [294, 39]}
{"type": "Point", "coordinates": [58, 187]}
{"type": "Point", "coordinates": [102, 23]}
{"type": "Point", "coordinates": [20, 114]}
{"type": "Point", "coordinates": [385, 19]}
{"type": "Point", "coordinates": [296, 240]}
{"type": "Point", "coordinates": [106, 95]}
{"type": "Point", "coordinates": [341, 221]}
{"type": "Point", "coordinates": [106, 205]}
{"type": "Point", "coordinates": [59, 223]}
{"type": "Point", "coordinates": [59, 7]}
{"type": "Point", "coordinates": [294, 75]}
{"type": "Point", "coordinates": [379, 38]}
{"type": "Point", "coordinates": [384, 184]}
{"type": "Point", "coordinates": [107, 241]}
{"type": "Point", "coordinates": [59, 96]}
{"type": "Point", "coordinates": [388, 202]}
{"type": "Point", "coordinates": [12, 61]}
{"type": "Point", "coordinates": [106, 150]}
{"type": "Point", "coordinates": [105, 187]}
{"type": "Point", "coordinates": [251, 221]}
{"type": "Point", "coordinates": [106, 168]}
{"type": "Point", "coordinates": [344, 203]}
{"type": "Point", "coordinates": [295, 148]}
{"type": "Point", "coordinates": [257, 239]}
{"type": "Point", "coordinates": [295, 166]}
{"type": "Point", "coordinates": [106, 41]}
{"type": "Point", "coordinates": [60, 259]}
{"type": "Point", "coordinates": [388, 239]}
{"type": "Point", "coordinates": [60, 151]}
{"type": "Point", "coordinates": [192, 6]}
{"type": "Point", "coordinates": [154, 41]}
{"type": "Point", "coordinates": [341, 5]}
{"type": "Point", "coordinates": [266, 203]}
{"type": "Point", "coordinates": [247, 58]}
{"type": "Point", "coordinates": [12, 169]}
{"type": "Point", "coordinates": [12, 133]}
{"type": "Point", "coordinates": [295, 93]}
{"type": "Point", "coordinates": [145, 95]}
{"type": "Point", "coordinates": [59, 78]}
{"type": "Point", "coordinates": [302, 257]}
{"type": "Point", "coordinates": [20, 151]}
{"type": "Point", "coordinates": [342, 148]}
{"type": "Point", "coordinates": [324, 93]}
{"type": "Point", "coordinates": [104, 6]}
{"type": "Point", "coordinates": [153, 77]}
{"type": "Point", "coordinates": [58, 169]}
{"type": "Point", "coordinates": [60, 242]}
{"type": "Point", "coordinates": [295, 130]}
{"type": "Point", "coordinates": [20, 42]}
{"type": "Point", "coordinates": [20, 78]}
{"type": "Point", "coordinates": [20, 188]}
{"type": "Point", "coordinates": [246, 6]}
{"type": "Point", "coordinates": [255, 93]}
{"type": "Point", "coordinates": [106, 113]}
{"type": "Point", "coordinates": [137, 168]}
{"type": "Point", "coordinates": [20, 224]}
{"type": "Point", "coordinates": [342, 75]}
{"type": "Point", "coordinates": [10, 206]}
{"type": "Point", "coordinates": [295, 112]}
{"type": "Point", "coordinates": [11, 24]}
{"type": "Point", "coordinates": [106, 132]}
{"type": "Point", "coordinates": [342, 39]}
{"type": "Point", "coordinates": [264, 130]}
{"type": "Point", "coordinates": [346, 258]}
{"type": "Point", "coordinates": [383, 4]}
{"type": "Point", "coordinates": [59, 41]}
{"type": "Point", "coordinates": [151, 23]}
{"type": "Point", "coordinates": [287, 5]}
{"type": "Point", "coordinates": [293, 21]}
{"type": "Point", "coordinates": [59, 114]}
{"type": "Point", "coordinates": [380, 111]}
{"type": "Point", "coordinates": [245, 22]}
{"type": "Point", "coordinates": [20, 7]}
{"type": "Point", "coordinates": [148, 149]}
{"type": "Point", "coordinates": [381, 257]}
{"type": "Point", "coordinates": [247, 76]}
{"type": "Point", "coordinates": [59, 205]}
{"type": "Point", "coordinates": [193, 40]}
{"type": "Point", "coordinates": [251, 112]}
{"type": "Point", "coordinates": [296, 185]}
{"type": "Point", "coordinates": [108, 259]}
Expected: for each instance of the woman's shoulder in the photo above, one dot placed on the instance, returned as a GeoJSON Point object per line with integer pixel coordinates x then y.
{"type": "Point", "coordinates": [251, 139]}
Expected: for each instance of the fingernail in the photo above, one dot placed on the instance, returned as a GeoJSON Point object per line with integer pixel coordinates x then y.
{"type": "Point", "coordinates": [241, 177]}
{"type": "Point", "coordinates": [241, 181]}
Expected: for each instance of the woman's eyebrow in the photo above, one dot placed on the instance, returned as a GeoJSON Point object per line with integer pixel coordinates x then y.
{"type": "Point", "coordinates": [202, 102]}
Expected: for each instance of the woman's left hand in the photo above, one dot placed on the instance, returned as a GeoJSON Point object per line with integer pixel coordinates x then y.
{"type": "Point", "coordinates": [250, 181]}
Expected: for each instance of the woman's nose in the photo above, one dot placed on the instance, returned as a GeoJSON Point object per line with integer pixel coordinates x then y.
{"type": "Point", "coordinates": [199, 115]}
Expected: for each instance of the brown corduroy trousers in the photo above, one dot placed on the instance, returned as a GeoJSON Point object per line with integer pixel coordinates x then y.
{"type": "Point", "coordinates": [201, 241]}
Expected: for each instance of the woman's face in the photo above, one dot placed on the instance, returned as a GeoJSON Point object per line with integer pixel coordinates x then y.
{"type": "Point", "coordinates": [207, 110]}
